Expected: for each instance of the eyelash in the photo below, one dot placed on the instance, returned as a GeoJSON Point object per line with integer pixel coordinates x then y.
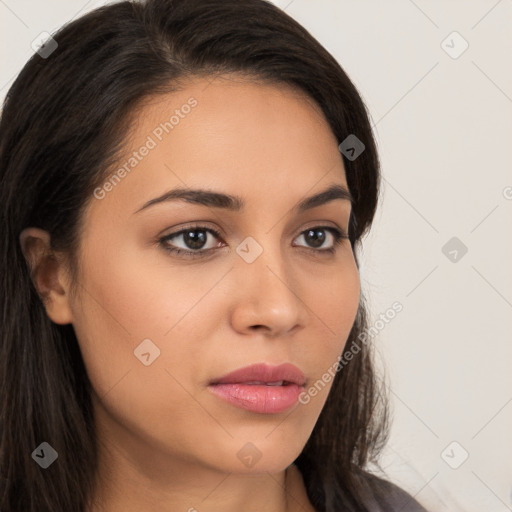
{"type": "Point", "coordinates": [338, 235]}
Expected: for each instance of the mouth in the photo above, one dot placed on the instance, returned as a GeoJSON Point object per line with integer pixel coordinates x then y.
{"type": "Point", "coordinates": [261, 388]}
{"type": "Point", "coordinates": [264, 374]}
{"type": "Point", "coordinates": [261, 383]}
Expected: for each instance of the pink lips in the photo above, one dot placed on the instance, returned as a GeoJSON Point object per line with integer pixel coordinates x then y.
{"type": "Point", "coordinates": [261, 388]}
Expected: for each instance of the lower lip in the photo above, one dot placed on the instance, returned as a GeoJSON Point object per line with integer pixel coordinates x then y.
{"type": "Point", "coordinates": [259, 398]}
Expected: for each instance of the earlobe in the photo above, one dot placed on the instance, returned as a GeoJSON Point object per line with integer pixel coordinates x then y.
{"type": "Point", "coordinates": [48, 274]}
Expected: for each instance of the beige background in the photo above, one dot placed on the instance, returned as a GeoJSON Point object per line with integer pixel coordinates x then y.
{"type": "Point", "coordinates": [443, 123]}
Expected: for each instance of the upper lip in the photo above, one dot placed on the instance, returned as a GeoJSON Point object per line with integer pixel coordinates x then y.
{"type": "Point", "coordinates": [265, 373]}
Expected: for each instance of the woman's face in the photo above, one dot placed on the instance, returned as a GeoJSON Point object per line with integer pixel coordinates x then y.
{"type": "Point", "coordinates": [156, 328]}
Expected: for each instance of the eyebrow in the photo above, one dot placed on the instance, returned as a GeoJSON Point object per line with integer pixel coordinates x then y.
{"type": "Point", "coordinates": [236, 203]}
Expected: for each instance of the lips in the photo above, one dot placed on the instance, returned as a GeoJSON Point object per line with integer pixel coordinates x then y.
{"type": "Point", "coordinates": [264, 374]}
{"type": "Point", "coordinates": [261, 388]}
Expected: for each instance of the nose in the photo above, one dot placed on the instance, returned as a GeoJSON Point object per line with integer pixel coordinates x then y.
{"type": "Point", "coordinates": [267, 296]}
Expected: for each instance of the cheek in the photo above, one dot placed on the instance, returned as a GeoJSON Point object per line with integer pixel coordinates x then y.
{"type": "Point", "coordinates": [334, 307]}
{"type": "Point", "coordinates": [138, 334]}
{"type": "Point", "coordinates": [332, 298]}
{"type": "Point", "coordinates": [132, 313]}
{"type": "Point", "coordinates": [126, 301]}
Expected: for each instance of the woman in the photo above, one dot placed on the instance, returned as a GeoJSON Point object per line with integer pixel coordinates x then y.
{"type": "Point", "coordinates": [184, 186]}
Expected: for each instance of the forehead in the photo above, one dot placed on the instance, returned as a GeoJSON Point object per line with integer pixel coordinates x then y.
{"type": "Point", "coordinates": [253, 139]}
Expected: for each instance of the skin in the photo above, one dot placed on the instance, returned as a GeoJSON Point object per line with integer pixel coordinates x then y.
{"type": "Point", "coordinates": [166, 442]}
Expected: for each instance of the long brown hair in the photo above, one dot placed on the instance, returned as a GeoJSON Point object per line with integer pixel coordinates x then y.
{"type": "Point", "coordinates": [62, 126]}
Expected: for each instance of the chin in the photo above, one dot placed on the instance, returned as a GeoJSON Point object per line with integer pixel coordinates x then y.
{"type": "Point", "coordinates": [258, 455]}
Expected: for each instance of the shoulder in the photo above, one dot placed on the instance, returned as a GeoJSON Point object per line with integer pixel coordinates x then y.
{"type": "Point", "coordinates": [389, 497]}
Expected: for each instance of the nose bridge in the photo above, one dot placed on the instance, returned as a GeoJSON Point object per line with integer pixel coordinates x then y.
{"type": "Point", "coordinates": [266, 289]}
{"type": "Point", "coordinates": [262, 259]}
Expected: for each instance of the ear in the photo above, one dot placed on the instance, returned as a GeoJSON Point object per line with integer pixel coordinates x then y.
{"type": "Point", "coordinates": [49, 274]}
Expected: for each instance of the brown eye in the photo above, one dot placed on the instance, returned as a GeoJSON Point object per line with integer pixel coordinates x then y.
{"type": "Point", "coordinates": [316, 237]}
{"type": "Point", "coordinates": [194, 240]}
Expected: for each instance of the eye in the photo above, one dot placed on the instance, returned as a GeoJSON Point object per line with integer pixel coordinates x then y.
{"type": "Point", "coordinates": [316, 237]}
{"type": "Point", "coordinates": [195, 239]}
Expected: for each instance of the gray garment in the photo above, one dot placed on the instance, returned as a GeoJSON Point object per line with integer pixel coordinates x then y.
{"type": "Point", "coordinates": [388, 497]}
